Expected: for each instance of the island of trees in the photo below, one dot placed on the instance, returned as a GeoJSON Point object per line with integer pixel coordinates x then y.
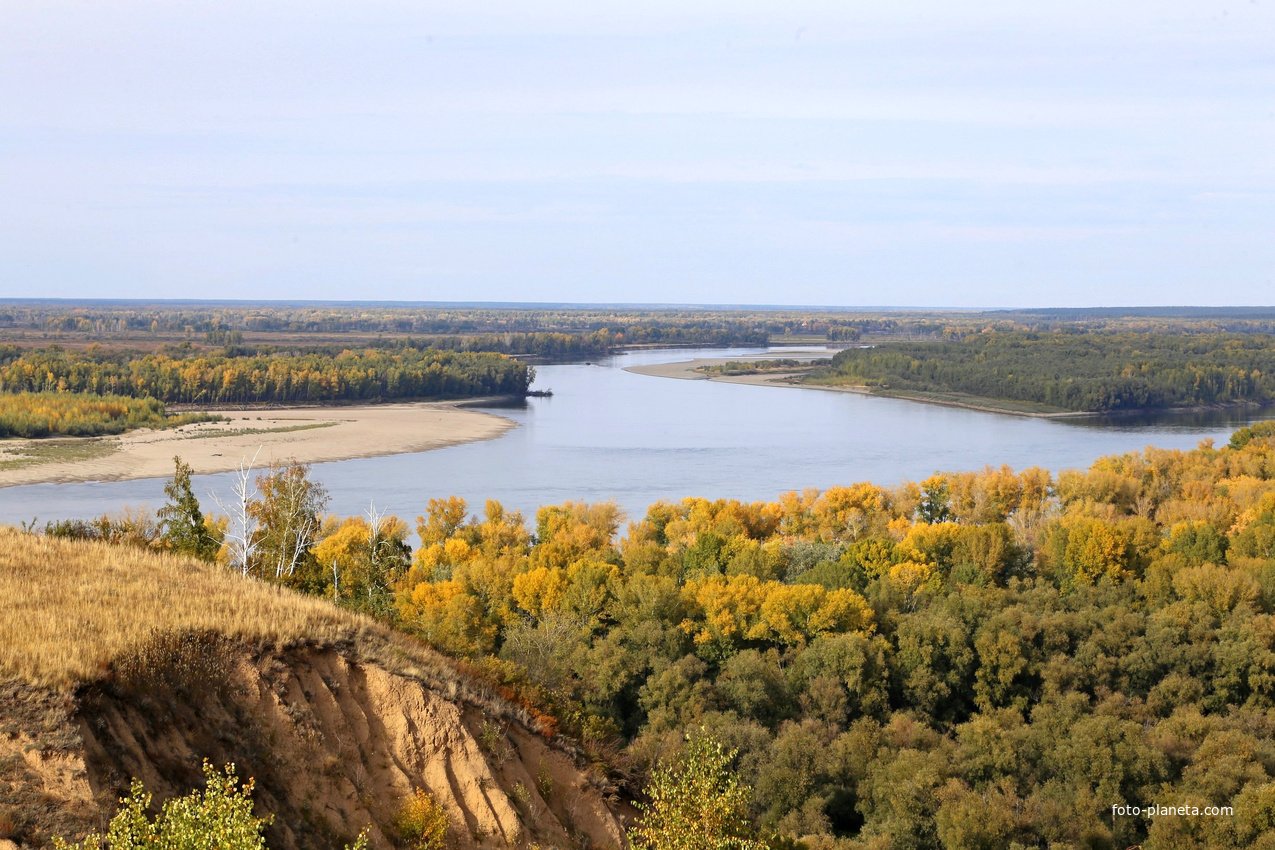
{"type": "Point", "coordinates": [980, 659]}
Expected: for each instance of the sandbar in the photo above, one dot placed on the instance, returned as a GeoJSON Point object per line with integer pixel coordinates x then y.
{"type": "Point", "coordinates": [688, 370]}
{"type": "Point", "coordinates": [306, 434]}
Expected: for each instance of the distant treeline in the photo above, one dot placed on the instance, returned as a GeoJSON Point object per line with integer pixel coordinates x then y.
{"type": "Point", "coordinates": [1070, 371]}
{"type": "Point", "coordinates": [203, 378]}
{"type": "Point", "coordinates": [562, 345]}
{"type": "Point", "coordinates": [562, 332]}
{"type": "Point", "coordinates": [549, 332]}
{"type": "Point", "coordinates": [546, 344]}
{"type": "Point", "coordinates": [80, 415]}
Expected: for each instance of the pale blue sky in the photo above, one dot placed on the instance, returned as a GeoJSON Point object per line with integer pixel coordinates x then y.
{"type": "Point", "coordinates": [910, 153]}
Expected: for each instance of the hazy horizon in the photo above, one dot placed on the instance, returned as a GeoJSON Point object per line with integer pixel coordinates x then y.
{"type": "Point", "coordinates": [916, 154]}
{"type": "Point", "coordinates": [1131, 309]}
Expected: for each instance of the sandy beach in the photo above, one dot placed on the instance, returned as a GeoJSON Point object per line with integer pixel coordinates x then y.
{"type": "Point", "coordinates": [309, 434]}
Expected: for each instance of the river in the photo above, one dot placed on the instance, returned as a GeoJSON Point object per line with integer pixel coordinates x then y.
{"type": "Point", "coordinates": [610, 434]}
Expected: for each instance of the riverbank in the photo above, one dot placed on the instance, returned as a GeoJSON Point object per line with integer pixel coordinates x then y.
{"type": "Point", "coordinates": [690, 370]}
{"type": "Point", "coordinates": [307, 434]}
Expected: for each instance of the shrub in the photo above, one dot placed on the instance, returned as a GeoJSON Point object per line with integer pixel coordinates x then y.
{"type": "Point", "coordinates": [219, 816]}
{"type": "Point", "coordinates": [544, 783]}
{"type": "Point", "coordinates": [423, 822]}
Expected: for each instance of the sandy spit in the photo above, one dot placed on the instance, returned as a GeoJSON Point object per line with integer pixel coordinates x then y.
{"type": "Point", "coordinates": [687, 370]}
{"type": "Point", "coordinates": [307, 434]}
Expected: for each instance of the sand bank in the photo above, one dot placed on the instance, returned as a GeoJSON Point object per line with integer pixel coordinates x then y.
{"type": "Point", "coordinates": [689, 369]}
{"type": "Point", "coordinates": [309, 434]}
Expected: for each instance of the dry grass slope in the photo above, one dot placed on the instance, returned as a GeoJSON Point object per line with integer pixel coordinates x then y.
{"type": "Point", "coordinates": [72, 608]}
{"type": "Point", "coordinates": [118, 663]}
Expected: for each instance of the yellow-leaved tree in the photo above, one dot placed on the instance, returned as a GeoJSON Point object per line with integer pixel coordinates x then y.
{"type": "Point", "coordinates": [696, 803]}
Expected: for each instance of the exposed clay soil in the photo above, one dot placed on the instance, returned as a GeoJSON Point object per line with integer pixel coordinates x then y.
{"type": "Point", "coordinates": [336, 745]}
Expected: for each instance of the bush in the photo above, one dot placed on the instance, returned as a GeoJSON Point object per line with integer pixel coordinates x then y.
{"type": "Point", "coordinates": [423, 822]}
{"type": "Point", "coordinates": [219, 816]}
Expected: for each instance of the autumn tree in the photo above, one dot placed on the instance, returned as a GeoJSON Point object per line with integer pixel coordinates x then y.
{"type": "Point", "coordinates": [359, 559]}
{"type": "Point", "coordinates": [286, 510]}
{"type": "Point", "coordinates": [696, 802]}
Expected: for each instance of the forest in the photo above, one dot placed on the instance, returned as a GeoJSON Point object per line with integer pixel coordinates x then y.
{"type": "Point", "coordinates": [982, 659]}
{"type": "Point", "coordinates": [1067, 370]}
{"type": "Point", "coordinates": [190, 377]}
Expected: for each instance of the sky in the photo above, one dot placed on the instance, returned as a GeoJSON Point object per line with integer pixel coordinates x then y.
{"type": "Point", "coordinates": [913, 152]}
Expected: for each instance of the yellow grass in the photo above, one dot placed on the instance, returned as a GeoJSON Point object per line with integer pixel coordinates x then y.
{"type": "Point", "coordinates": [74, 611]}
{"type": "Point", "coordinates": [70, 608]}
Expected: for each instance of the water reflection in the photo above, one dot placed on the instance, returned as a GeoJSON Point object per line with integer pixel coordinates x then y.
{"type": "Point", "coordinates": [1185, 420]}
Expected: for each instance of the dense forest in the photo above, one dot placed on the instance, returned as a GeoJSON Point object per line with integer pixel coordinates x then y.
{"type": "Point", "coordinates": [988, 659]}
{"type": "Point", "coordinates": [1071, 371]}
{"type": "Point", "coordinates": [220, 378]}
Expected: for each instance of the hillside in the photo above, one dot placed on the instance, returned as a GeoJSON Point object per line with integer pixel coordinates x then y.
{"type": "Point", "coordinates": [117, 664]}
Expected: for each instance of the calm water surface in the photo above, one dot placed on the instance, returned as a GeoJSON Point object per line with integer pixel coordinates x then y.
{"type": "Point", "coordinates": [610, 434]}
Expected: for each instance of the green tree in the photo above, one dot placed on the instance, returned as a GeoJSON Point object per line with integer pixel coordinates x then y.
{"type": "Point", "coordinates": [181, 520]}
{"type": "Point", "coordinates": [696, 803]}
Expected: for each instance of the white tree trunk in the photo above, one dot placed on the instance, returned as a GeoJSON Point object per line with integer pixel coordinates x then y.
{"type": "Point", "coordinates": [243, 526]}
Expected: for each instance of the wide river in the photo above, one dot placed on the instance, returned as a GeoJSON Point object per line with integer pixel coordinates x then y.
{"type": "Point", "coordinates": [611, 434]}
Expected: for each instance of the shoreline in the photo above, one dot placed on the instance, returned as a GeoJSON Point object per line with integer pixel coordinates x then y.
{"type": "Point", "coordinates": [307, 434]}
{"type": "Point", "coordinates": [686, 371]}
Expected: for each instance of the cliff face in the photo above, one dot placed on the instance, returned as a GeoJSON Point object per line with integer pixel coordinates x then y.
{"type": "Point", "coordinates": [118, 663]}
{"type": "Point", "coordinates": [336, 745]}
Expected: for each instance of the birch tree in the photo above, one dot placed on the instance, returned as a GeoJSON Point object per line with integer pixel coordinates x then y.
{"type": "Point", "coordinates": [241, 532]}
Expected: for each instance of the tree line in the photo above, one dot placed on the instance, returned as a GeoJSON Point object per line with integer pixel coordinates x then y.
{"type": "Point", "coordinates": [987, 659]}
{"type": "Point", "coordinates": [514, 330]}
{"type": "Point", "coordinates": [539, 331]}
{"type": "Point", "coordinates": [191, 377]}
{"type": "Point", "coordinates": [1072, 371]}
